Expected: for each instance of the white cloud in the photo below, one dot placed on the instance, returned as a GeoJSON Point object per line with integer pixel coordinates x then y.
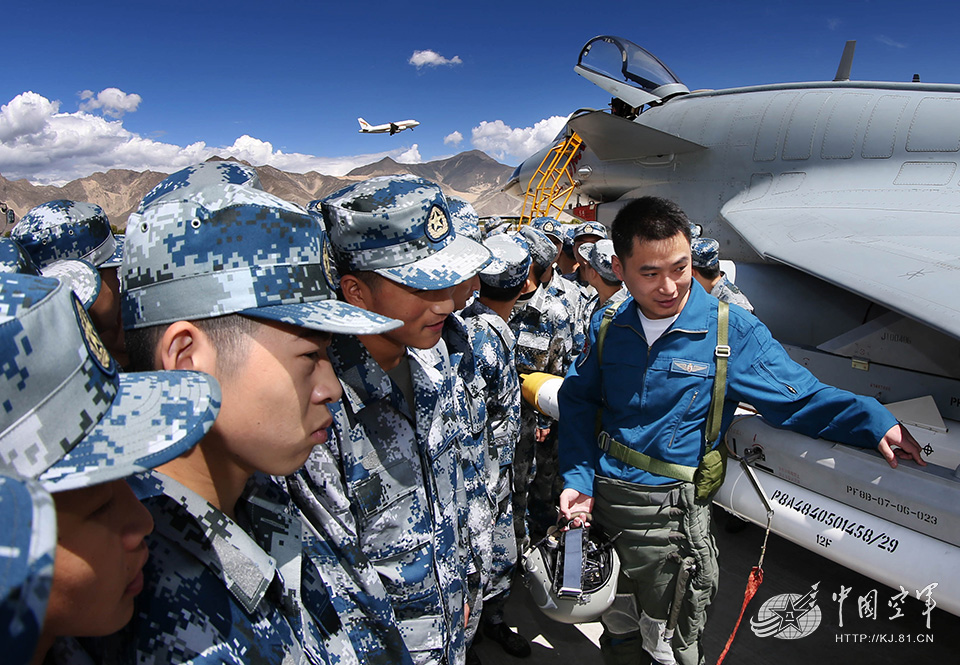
{"type": "Point", "coordinates": [113, 101]}
{"type": "Point", "coordinates": [515, 143]}
{"type": "Point", "coordinates": [431, 58]}
{"type": "Point", "coordinates": [40, 143]}
{"type": "Point", "coordinates": [883, 39]}
{"type": "Point", "coordinates": [453, 139]}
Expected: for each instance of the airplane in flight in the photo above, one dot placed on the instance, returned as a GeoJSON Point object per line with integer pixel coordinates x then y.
{"type": "Point", "coordinates": [392, 127]}
{"type": "Point", "coordinates": [839, 204]}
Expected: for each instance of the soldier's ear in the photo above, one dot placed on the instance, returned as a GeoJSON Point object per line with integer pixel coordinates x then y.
{"type": "Point", "coordinates": [617, 267]}
{"type": "Point", "coordinates": [354, 290]}
{"type": "Point", "coordinates": [185, 346]}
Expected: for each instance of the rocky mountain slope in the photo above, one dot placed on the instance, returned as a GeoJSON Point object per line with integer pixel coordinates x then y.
{"type": "Point", "coordinates": [471, 175]}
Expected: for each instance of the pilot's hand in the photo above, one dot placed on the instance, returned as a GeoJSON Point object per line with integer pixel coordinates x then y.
{"type": "Point", "coordinates": [573, 505]}
{"type": "Point", "coordinates": [541, 433]}
{"type": "Point", "coordinates": [898, 442]}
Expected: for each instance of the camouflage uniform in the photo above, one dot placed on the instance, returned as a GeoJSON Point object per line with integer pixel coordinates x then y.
{"type": "Point", "coordinates": [705, 253]}
{"type": "Point", "coordinates": [403, 474]}
{"type": "Point", "coordinates": [493, 347]}
{"type": "Point", "coordinates": [544, 344]}
{"type": "Point", "coordinates": [210, 581]}
{"type": "Point", "coordinates": [728, 292]}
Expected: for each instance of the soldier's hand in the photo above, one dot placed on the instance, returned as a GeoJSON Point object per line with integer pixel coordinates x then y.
{"type": "Point", "coordinates": [573, 505]}
{"type": "Point", "coordinates": [541, 434]}
{"type": "Point", "coordinates": [899, 443]}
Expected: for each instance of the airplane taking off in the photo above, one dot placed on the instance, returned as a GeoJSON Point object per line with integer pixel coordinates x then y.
{"type": "Point", "coordinates": [839, 201]}
{"type": "Point", "coordinates": [392, 127]}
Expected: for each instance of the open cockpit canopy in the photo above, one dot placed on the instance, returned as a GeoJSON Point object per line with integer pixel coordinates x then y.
{"type": "Point", "coordinates": [627, 71]}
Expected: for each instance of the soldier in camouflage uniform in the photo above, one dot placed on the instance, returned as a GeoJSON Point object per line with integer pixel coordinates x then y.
{"type": "Point", "coordinates": [541, 325]}
{"type": "Point", "coordinates": [501, 282]}
{"type": "Point", "coordinates": [705, 261]}
{"type": "Point", "coordinates": [74, 426]}
{"type": "Point", "coordinates": [398, 255]}
{"type": "Point", "coordinates": [235, 286]}
{"type": "Point", "coordinates": [596, 266]}
{"type": "Point", "coordinates": [586, 232]}
{"type": "Point", "coordinates": [573, 296]}
{"type": "Point", "coordinates": [63, 229]}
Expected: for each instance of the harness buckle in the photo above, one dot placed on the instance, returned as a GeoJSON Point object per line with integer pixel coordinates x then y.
{"type": "Point", "coordinates": [722, 351]}
{"type": "Point", "coordinates": [603, 442]}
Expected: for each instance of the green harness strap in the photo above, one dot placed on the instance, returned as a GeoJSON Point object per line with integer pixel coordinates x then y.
{"type": "Point", "coordinates": [644, 462]}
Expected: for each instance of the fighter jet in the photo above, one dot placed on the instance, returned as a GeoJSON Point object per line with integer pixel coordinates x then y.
{"type": "Point", "coordinates": [392, 127]}
{"type": "Point", "coordinates": [839, 202]}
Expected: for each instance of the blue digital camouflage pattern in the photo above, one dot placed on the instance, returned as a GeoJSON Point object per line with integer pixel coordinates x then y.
{"type": "Point", "coordinates": [69, 417]}
{"type": "Point", "coordinates": [590, 229]}
{"type": "Point", "coordinates": [509, 264]}
{"type": "Point", "coordinates": [600, 257]}
{"type": "Point", "coordinates": [478, 501]}
{"type": "Point", "coordinates": [400, 227]}
{"type": "Point", "coordinates": [64, 229]}
{"type": "Point", "coordinates": [544, 335]}
{"type": "Point", "coordinates": [117, 258]}
{"type": "Point", "coordinates": [182, 184]}
{"type": "Point", "coordinates": [704, 252]}
{"type": "Point", "coordinates": [494, 348]}
{"type": "Point", "coordinates": [549, 226]}
{"type": "Point", "coordinates": [81, 277]}
{"type": "Point", "coordinates": [249, 253]}
{"type": "Point", "coordinates": [28, 541]}
{"type": "Point", "coordinates": [576, 300]}
{"type": "Point", "coordinates": [218, 590]}
{"type": "Point", "coordinates": [330, 537]}
{"type": "Point", "coordinates": [466, 221]}
{"type": "Point", "coordinates": [729, 292]}
{"type": "Point", "coordinates": [402, 470]}
{"type": "Point", "coordinates": [542, 250]}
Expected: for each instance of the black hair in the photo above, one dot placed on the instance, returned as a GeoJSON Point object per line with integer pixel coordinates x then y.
{"type": "Point", "coordinates": [647, 218]}
{"type": "Point", "coordinates": [499, 294]}
{"type": "Point", "coordinates": [709, 272]}
{"type": "Point", "coordinates": [229, 333]}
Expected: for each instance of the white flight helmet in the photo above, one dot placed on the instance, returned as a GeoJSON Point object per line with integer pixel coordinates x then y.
{"type": "Point", "coordinates": [562, 599]}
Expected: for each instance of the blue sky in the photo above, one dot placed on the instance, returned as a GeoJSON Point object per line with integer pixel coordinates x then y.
{"type": "Point", "coordinates": [162, 85]}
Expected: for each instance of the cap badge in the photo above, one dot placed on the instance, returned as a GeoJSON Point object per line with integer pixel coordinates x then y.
{"type": "Point", "coordinates": [92, 340]}
{"type": "Point", "coordinates": [437, 224]}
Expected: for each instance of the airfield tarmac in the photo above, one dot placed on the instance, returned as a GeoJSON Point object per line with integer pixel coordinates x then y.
{"type": "Point", "coordinates": [788, 569]}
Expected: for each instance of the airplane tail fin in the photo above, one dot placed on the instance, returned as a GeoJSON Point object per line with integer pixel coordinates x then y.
{"type": "Point", "coordinates": [363, 123]}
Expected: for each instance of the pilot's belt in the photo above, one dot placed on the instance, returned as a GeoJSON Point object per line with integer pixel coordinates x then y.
{"type": "Point", "coordinates": [639, 460]}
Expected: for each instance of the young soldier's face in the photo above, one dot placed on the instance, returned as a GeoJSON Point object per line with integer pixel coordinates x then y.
{"type": "Point", "coordinates": [657, 274]}
{"type": "Point", "coordinates": [99, 559]}
{"type": "Point", "coordinates": [422, 312]}
{"type": "Point", "coordinates": [274, 405]}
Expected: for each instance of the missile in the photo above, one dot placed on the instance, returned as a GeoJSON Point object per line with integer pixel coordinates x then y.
{"type": "Point", "coordinates": [540, 389]}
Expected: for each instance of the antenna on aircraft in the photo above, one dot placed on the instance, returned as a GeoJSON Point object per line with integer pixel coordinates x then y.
{"type": "Point", "coordinates": [846, 61]}
{"type": "Point", "coordinates": [916, 78]}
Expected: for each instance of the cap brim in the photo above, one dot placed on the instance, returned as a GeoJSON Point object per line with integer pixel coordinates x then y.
{"type": "Point", "coordinates": [457, 262]}
{"type": "Point", "coordinates": [81, 277]}
{"type": "Point", "coordinates": [155, 417]}
{"type": "Point", "coordinates": [28, 540]}
{"type": "Point", "coordinates": [117, 258]}
{"type": "Point", "coordinates": [333, 316]}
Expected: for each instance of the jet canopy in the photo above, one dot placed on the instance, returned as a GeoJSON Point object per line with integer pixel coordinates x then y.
{"type": "Point", "coordinates": [627, 71]}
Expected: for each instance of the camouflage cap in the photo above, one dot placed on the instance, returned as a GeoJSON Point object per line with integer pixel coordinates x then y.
{"type": "Point", "coordinates": [64, 229]}
{"type": "Point", "coordinates": [704, 252]}
{"type": "Point", "coordinates": [241, 251]}
{"type": "Point", "coordinates": [69, 417]}
{"type": "Point", "coordinates": [510, 264]}
{"type": "Point", "coordinates": [549, 226]}
{"type": "Point", "coordinates": [182, 183]}
{"type": "Point", "coordinates": [466, 221]}
{"type": "Point", "coordinates": [542, 250]}
{"type": "Point", "coordinates": [568, 231]}
{"type": "Point", "coordinates": [28, 541]}
{"type": "Point", "coordinates": [502, 227]}
{"type": "Point", "coordinates": [400, 227]}
{"type": "Point", "coordinates": [590, 229]}
{"type": "Point", "coordinates": [600, 257]}
{"type": "Point", "coordinates": [82, 278]}
{"type": "Point", "coordinates": [117, 258]}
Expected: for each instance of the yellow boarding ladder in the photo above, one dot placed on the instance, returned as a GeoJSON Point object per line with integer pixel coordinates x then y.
{"type": "Point", "coordinates": [552, 182]}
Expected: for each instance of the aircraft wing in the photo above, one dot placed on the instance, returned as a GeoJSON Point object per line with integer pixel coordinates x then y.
{"type": "Point", "coordinates": [907, 259]}
{"type": "Point", "coordinates": [612, 137]}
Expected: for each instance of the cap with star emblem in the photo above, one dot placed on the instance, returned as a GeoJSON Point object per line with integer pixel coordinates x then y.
{"type": "Point", "coordinates": [69, 417]}
{"type": "Point", "coordinates": [400, 227]}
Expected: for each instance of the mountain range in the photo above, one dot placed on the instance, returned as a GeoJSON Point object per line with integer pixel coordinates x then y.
{"type": "Point", "coordinates": [471, 175]}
